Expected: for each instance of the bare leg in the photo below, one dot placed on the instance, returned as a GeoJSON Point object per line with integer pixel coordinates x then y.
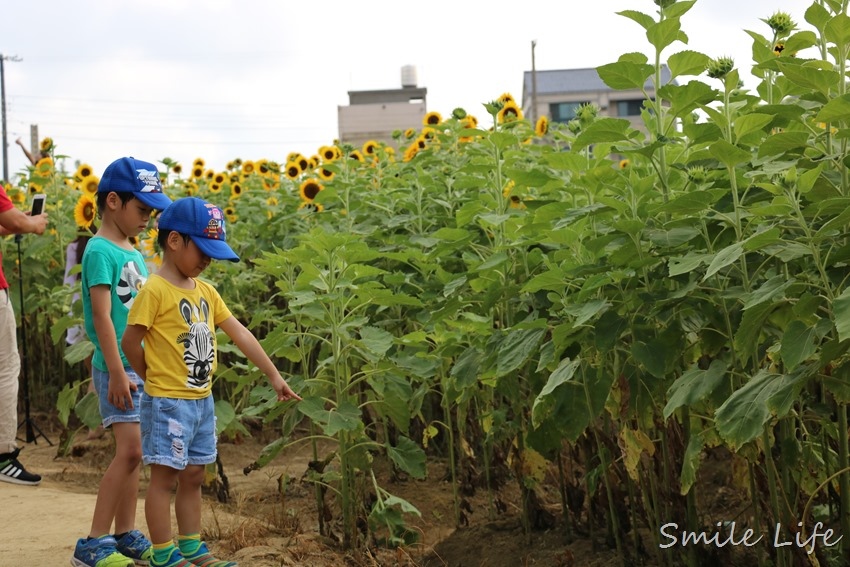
{"type": "Point", "coordinates": [158, 503]}
{"type": "Point", "coordinates": [187, 503]}
{"type": "Point", "coordinates": [119, 487]}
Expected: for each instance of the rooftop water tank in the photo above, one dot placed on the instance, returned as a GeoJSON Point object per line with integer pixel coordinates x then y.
{"type": "Point", "coordinates": [408, 76]}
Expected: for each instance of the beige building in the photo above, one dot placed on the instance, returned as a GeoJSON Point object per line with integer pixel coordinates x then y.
{"type": "Point", "coordinates": [374, 115]}
{"type": "Point", "coordinates": [560, 92]}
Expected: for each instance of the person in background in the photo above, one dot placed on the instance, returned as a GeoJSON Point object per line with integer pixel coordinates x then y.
{"type": "Point", "coordinates": [176, 316]}
{"type": "Point", "coordinates": [113, 272]}
{"type": "Point", "coordinates": [74, 257]}
{"type": "Point", "coordinates": [12, 221]}
{"type": "Point", "coordinates": [33, 158]}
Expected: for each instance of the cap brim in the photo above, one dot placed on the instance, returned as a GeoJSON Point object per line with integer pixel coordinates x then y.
{"type": "Point", "coordinates": [158, 201]}
{"type": "Point", "coordinates": [216, 249]}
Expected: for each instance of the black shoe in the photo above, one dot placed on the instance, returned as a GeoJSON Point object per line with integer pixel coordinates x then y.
{"type": "Point", "coordinates": [11, 470]}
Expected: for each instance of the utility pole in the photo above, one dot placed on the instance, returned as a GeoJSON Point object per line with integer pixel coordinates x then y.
{"type": "Point", "coordinates": [533, 85]}
{"type": "Point", "coordinates": [3, 112]}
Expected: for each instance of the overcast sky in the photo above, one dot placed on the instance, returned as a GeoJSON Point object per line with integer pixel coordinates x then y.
{"type": "Point", "coordinates": [221, 79]}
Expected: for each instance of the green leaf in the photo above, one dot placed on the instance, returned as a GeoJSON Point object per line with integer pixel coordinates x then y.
{"type": "Point", "coordinates": [747, 336]}
{"type": "Point", "coordinates": [224, 415]}
{"type": "Point", "coordinates": [625, 75]}
{"type": "Point", "coordinates": [771, 289]}
{"type": "Point", "coordinates": [88, 410]}
{"type": "Point", "coordinates": [694, 385]}
{"type": "Point", "coordinates": [554, 279]}
{"type": "Point", "coordinates": [516, 348]}
{"type": "Point", "coordinates": [687, 63]}
{"type": "Point", "coordinates": [837, 30]}
{"type": "Point", "coordinates": [811, 78]}
{"type": "Point", "coordinates": [728, 154]}
{"type": "Point", "coordinates": [691, 462]}
{"type": "Point", "coordinates": [503, 140]}
{"type": "Point", "coordinates": [750, 123]}
{"type": "Point", "coordinates": [604, 130]}
{"type": "Point", "coordinates": [798, 344]}
{"type": "Point", "coordinates": [643, 19]}
{"type": "Point", "coordinates": [742, 416]}
{"type": "Point", "coordinates": [545, 401]}
{"type": "Point", "coordinates": [687, 263]}
{"type": "Point", "coordinates": [836, 110]}
{"type": "Point", "coordinates": [817, 15]}
{"type": "Point", "coordinates": [725, 257]}
{"type": "Point", "coordinates": [664, 33]}
{"type": "Point", "coordinates": [408, 456]}
{"type": "Point", "coordinates": [334, 420]}
{"type": "Point", "coordinates": [375, 341]}
{"type": "Point", "coordinates": [841, 314]}
{"type": "Point", "coordinates": [784, 142]}
{"type": "Point", "coordinates": [688, 97]}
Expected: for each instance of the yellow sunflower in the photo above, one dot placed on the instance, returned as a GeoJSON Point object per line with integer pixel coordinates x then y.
{"type": "Point", "coordinates": [199, 162]}
{"type": "Point", "coordinates": [326, 174]}
{"type": "Point", "coordinates": [312, 207]}
{"type": "Point", "coordinates": [272, 203]}
{"type": "Point", "coordinates": [44, 165]}
{"type": "Point", "coordinates": [292, 156]}
{"type": "Point", "coordinates": [88, 184]}
{"type": "Point", "coordinates": [248, 167]}
{"type": "Point", "coordinates": [262, 166]}
{"type": "Point", "coordinates": [432, 119]}
{"type": "Point", "coordinates": [46, 145]}
{"type": "Point", "coordinates": [470, 121]}
{"type": "Point", "coordinates": [542, 126]}
{"type": "Point", "coordinates": [411, 152]}
{"type": "Point", "coordinates": [197, 171]}
{"type": "Point", "coordinates": [219, 178]}
{"type": "Point", "coordinates": [509, 113]}
{"type": "Point", "coordinates": [293, 170]}
{"type": "Point", "coordinates": [177, 168]}
{"type": "Point", "coordinates": [370, 147]}
{"type": "Point", "coordinates": [355, 154]}
{"type": "Point", "coordinates": [85, 211]}
{"type": "Point", "coordinates": [506, 98]}
{"type": "Point", "coordinates": [410, 133]}
{"type": "Point", "coordinates": [314, 161]}
{"type": "Point", "coordinates": [230, 213]}
{"type": "Point", "coordinates": [83, 171]}
{"type": "Point", "coordinates": [516, 202]}
{"type": "Point", "coordinates": [309, 189]}
{"type": "Point", "coordinates": [215, 188]}
{"type": "Point", "coordinates": [509, 186]}
{"type": "Point", "coordinates": [235, 191]}
{"type": "Point", "coordinates": [329, 153]}
{"type": "Point", "coordinates": [624, 164]}
{"type": "Point", "coordinates": [34, 188]}
{"type": "Point", "coordinates": [209, 174]}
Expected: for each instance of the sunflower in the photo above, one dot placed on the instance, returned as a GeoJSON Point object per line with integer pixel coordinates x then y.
{"type": "Point", "coordinates": [293, 170]}
{"type": "Point", "coordinates": [215, 188]}
{"type": "Point", "coordinates": [506, 98]}
{"type": "Point", "coordinates": [272, 203]}
{"type": "Point", "coordinates": [303, 163]}
{"type": "Point", "coordinates": [355, 154]}
{"type": "Point", "coordinates": [197, 171]}
{"type": "Point", "coordinates": [292, 156]}
{"type": "Point", "coordinates": [209, 174]}
{"type": "Point", "coordinates": [44, 165]}
{"type": "Point", "coordinates": [411, 152]}
{"type": "Point", "coordinates": [510, 112]}
{"type": "Point", "coordinates": [470, 121]}
{"type": "Point", "coordinates": [230, 213]}
{"type": "Point", "coordinates": [262, 166]}
{"type": "Point", "coordinates": [34, 188]}
{"type": "Point", "coordinates": [309, 189]}
{"type": "Point", "coordinates": [509, 186]}
{"type": "Point", "coordinates": [624, 164]}
{"type": "Point", "coordinates": [46, 145]}
{"type": "Point", "coordinates": [235, 191]}
{"type": "Point", "coordinates": [191, 188]}
{"type": "Point", "coordinates": [85, 211]}
{"type": "Point", "coordinates": [432, 119]}
{"type": "Point", "coordinates": [409, 133]}
{"type": "Point", "coordinates": [542, 126]}
{"type": "Point", "coordinates": [314, 162]}
{"type": "Point", "coordinates": [83, 171]}
{"type": "Point", "coordinates": [19, 197]}
{"type": "Point", "coordinates": [312, 207]}
{"type": "Point", "coordinates": [199, 162]}
{"type": "Point", "coordinates": [219, 178]}
{"type": "Point", "coordinates": [326, 174]}
{"type": "Point", "coordinates": [177, 168]}
{"type": "Point", "coordinates": [88, 184]}
{"type": "Point", "coordinates": [329, 153]}
{"type": "Point", "coordinates": [516, 202]}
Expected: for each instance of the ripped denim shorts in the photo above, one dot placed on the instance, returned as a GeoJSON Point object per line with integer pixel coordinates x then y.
{"type": "Point", "coordinates": [178, 432]}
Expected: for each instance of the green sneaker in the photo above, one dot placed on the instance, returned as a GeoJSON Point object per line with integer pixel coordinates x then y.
{"type": "Point", "coordinates": [99, 552]}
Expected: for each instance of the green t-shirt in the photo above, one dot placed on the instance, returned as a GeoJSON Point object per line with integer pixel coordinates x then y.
{"type": "Point", "coordinates": [124, 271]}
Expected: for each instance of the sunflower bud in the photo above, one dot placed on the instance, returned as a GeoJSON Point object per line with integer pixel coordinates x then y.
{"type": "Point", "coordinates": [781, 23]}
{"type": "Point", "coordinates": [587, 112]}
{"type": "Point", "coordinates": [789, 178]}
{"type": "Point", "coordinates": [696, 174]}
{"type": "Point", "coordinates": [664, 3]}
{"type": "Point", "coordinates": [574, 126]}
{"type": "Point", "coordinates": [720, 67]}
{"type": "Point", "coordinates": [459, 113]}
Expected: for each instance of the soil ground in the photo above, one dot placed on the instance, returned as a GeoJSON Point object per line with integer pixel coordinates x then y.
{"type": "Point", "coordinates": [259, 528]}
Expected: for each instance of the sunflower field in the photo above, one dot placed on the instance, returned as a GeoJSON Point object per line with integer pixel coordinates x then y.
{"type": "Point", "coordinates": [587, 309]}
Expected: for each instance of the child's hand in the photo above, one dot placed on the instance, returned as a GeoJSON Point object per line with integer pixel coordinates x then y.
{"type": "Point", "coordinates": [118, 393]}
{"type": "Point", "coordinates": [284, 392]}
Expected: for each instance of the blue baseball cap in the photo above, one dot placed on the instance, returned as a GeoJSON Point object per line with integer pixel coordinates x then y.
{"type": "Point", "coordinates": [203, 222]}
{"type": "Point", "coordinates": [130, 175]}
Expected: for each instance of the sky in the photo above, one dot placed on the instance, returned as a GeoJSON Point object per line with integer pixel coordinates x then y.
{"type": "Point", "coordinates": [254, 79]}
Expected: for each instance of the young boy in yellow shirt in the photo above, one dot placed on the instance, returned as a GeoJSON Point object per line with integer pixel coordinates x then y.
{"type": "Point", "coordinates": [176, 315]}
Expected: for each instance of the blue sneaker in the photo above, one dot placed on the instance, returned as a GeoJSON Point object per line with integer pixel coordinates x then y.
{"type": "Point", "coordinates": [136, 546]}
{"type": "Point", "coordinates": [98, 552]}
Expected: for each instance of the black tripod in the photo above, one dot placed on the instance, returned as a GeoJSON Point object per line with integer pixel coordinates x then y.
{"type": "Point", "coordinates": [31, 426]}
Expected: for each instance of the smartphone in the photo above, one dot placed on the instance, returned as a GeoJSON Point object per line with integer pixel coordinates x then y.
{"type": "Point", "coordinates": [37, 205]}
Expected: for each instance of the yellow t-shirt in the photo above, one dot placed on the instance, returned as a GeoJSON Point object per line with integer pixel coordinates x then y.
{"type": "Point", "coordinates": [180, 345]}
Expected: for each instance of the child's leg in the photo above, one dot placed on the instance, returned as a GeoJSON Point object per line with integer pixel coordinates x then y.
{"type": "Point", "coordinates": [128, 452]}
{"type": "Point", "coordinates": [158, 503]}
{"type": "Point", "coordinates": [187, 503]}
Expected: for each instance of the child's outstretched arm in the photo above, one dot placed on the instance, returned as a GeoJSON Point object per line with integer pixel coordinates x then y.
{"type": "Point", "coordinates": [250, 347]}
{"type": "Point", "coordinates": [131, 343]}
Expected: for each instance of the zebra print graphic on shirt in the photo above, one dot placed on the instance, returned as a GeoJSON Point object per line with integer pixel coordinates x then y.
{"type": "Point", "coordinates": [129, 284]}
{"type": "Point", "coordinates": [198, 343]}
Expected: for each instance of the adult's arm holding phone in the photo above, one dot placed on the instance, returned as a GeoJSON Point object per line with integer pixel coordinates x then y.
{"type": "Point", "coordinates": [15, 221]}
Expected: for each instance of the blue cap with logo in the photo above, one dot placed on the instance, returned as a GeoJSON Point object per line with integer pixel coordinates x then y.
{"type": "Point", "coordinates": [203, 222]}
{"type": "Point", "coordinates": [130, 175]}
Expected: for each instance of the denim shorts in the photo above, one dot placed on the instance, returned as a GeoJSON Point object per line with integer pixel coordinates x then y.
{"type": "Point", "coordinates": [109, 413]}
{"type": "Point", "coordinates": [178, 432]}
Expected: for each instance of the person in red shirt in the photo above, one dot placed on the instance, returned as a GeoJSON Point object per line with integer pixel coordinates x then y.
{"type": "Point", "coordinates": [12, 221]}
